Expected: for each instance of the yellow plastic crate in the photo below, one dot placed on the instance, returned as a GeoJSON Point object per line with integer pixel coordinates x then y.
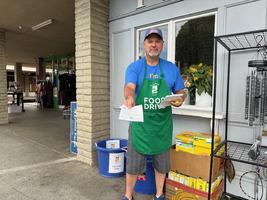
{"type": "Point", "coordinates": [201, 185]}
{"type": "Point", "coordinates": [206, 138]}
{"type": "Point", "coordinates": [185, 149]}
{"type": "Point", "coordinates": [203, 150]}
{"type": "Point", "coordinates": [187, 137]}
{"type": "Point", "coordinates": [196, 143]}
{"type": "Point", "coordinates": [192, 182]}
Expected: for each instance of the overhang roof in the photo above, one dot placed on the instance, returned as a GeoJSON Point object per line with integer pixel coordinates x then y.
{"type": "Point", "coordinates": [24, 45]}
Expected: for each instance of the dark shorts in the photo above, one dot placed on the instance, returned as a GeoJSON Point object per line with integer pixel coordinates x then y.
{"type": "Point", "coordinates": [136, 162]}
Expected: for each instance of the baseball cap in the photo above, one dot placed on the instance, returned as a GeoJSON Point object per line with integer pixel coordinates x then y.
{"type": "Point", "coordinates": [153, 31]}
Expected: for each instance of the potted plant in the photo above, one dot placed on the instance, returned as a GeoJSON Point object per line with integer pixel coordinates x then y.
{"type": "Point", "coordinates": [199, 79]}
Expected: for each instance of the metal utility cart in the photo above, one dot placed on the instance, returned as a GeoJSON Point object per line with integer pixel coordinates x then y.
{"type": "Point", "coordinates": [255, 110]}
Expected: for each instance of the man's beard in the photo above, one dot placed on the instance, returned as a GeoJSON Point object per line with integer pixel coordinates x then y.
{"type": "Point", "coordinates": [153, 53]}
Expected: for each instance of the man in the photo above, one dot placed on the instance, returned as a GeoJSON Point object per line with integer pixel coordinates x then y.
{"type": "Point", "coordinates": [148, 80]}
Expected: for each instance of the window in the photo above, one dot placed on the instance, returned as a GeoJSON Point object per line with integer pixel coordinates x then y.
{"type": "Point", "coordinates": [194, 41]}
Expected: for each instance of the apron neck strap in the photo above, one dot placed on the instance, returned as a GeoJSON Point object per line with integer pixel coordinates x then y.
{"type": "Point", "coordinates": [160, 68]}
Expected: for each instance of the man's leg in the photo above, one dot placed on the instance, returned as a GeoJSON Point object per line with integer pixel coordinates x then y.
{"type": "Point", "coordinates": [135, 165]}
{"type": "Point", "coordinates": [130, 183]}
{"type": "Point", "coordinates": [160, 179]}
{"type": "Point", "coordinates": [161, 164]}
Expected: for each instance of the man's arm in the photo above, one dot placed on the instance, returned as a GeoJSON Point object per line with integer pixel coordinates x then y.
{"type": "Point", "coordinates": [129, 93]}
{"type": "Point", "coordinates": [180, 100]}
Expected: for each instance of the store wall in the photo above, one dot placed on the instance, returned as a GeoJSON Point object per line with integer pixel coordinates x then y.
{"type": "Point", "coordinates": [92, 72]}
{"type": "Point", "coordinates": [233, 16]}
{"type": "Point", "coordinates": [3, 81]}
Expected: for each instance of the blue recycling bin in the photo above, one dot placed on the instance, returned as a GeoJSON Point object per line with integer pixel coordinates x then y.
{"type": "Point", "coordinates": [145, 184]}
{"type": "Point", "coordinates": [111, 157]}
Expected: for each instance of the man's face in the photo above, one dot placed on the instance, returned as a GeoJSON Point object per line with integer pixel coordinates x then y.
{"type": "Point", "coordinates": [153, 45]}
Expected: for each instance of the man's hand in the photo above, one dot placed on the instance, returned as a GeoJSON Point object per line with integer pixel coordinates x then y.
{"type": "Point", "coordinates": [129, 101]}
{"type": "Point", "coordinates": [129, 91]}
{"type": "Point", "coordinates": [179, 101]}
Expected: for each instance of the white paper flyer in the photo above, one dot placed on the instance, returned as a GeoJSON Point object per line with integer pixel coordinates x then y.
{"type": "Point", "coordinates": [116, 162]}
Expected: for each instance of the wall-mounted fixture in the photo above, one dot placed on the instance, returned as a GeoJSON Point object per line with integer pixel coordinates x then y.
{"type": "Point", "coordinates": [140, 3]}
{"type": "Point", "coordinates": [42, 24]}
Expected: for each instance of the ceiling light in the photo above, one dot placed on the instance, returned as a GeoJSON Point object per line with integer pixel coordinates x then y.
{"type": "Point", "coordinates": [43, 24]}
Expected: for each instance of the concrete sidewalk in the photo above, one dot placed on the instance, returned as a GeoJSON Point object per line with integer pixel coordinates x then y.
{"type": "Point", "coordinates": [35, 163]}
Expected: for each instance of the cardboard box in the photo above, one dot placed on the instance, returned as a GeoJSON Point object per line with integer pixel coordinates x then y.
{"type": "Point", "coordinates": [175, 190]}
{"type": "Point", "coordinates": [195, 165]}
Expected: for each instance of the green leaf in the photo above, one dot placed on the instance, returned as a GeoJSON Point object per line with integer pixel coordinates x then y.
{"type": "Point", "coordinates": [200, 90]}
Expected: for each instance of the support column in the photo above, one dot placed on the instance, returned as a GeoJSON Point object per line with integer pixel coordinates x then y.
{"type": "Point", "coordinates": [3, 80]}
{"type": "Point", "coordinates": [92, 69]}
{"type": "Point", "coordinates": [18, 76]}
{"type": "Point", "coordinates": [40, 69]}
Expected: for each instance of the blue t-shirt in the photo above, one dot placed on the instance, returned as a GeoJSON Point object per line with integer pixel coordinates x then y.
{"type": "Point", "coordinates": [135, 74]}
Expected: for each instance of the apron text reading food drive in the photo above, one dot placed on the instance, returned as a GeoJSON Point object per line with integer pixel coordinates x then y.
{"type": "Point", "coordinates": [154, 135]}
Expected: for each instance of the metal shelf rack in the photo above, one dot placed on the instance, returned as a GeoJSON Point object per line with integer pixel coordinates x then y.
{"type": "Point", "coordinates": [244, 41]}
{"type": "Point", "coordinates": [236, 151]}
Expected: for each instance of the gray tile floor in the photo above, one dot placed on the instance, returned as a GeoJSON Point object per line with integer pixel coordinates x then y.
{"type": "Point", "coordinates": [35, 163]}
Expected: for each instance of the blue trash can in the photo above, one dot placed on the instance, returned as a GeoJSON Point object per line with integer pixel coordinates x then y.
{"type": "Point", "coordinates": [111, 157]}
{"type": "Point", "coordinates": [146, 184]}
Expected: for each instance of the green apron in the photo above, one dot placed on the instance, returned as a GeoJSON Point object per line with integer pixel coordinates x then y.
{"type": "Point", "coordinates": [154, 135]}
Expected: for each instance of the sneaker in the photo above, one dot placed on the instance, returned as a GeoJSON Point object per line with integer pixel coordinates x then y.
{"type": "Point", "coordinates": [162, 197]}
{"type": "Point", "coordinates": [125, 198]}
